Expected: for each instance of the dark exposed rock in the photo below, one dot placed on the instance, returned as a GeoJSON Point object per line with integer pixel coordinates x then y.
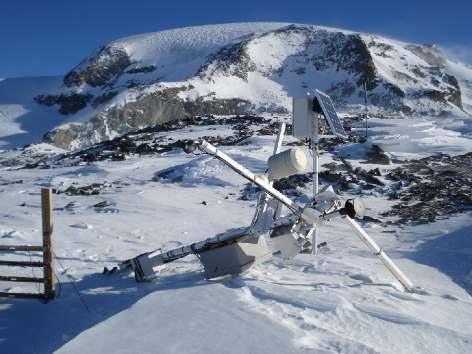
{"type": "Point", "coordinates": [292, 182]}
{"type": "Point", "coordinates": [418, 72]}
{"type": "Point", "coordinates": [330, 176]}
{"type": "Point", "coordinates": [106, 63]}
{"type": "Point", "coordinates": [145, 141]}
{"type": "Point", "coordinates": [377, 156]}
{"type": "Point", "coordinates": [68, 104]}
{"type": "Point", "coordinates": [395, 90]}
{"type": "Point", "coordinates": [4, 182]}
{"type": "Point", "coordinates": [103, 204]}
{"type": "Point", "coordinates": [430, 54]}
{"type": "Point", "coordinates": [232, 59]}
{"type": "Point", "coordinates": [203, 106]}
{"type": "Point", "coordinates": [103, 98]}
{"type": "Point", "coordinates": [435, 95]}
{"type": "Point", "coordinates": [359, 172]}
{"type": "Point", "coordinates": [453, 95]}
{"type": "Point", "coordinates": [432, 187]}
{"type": "Point", "coordinates": [92, 189]}
{"type": "Point", "coordinates": [150, 110]}
{"type": "Point", "coordinates": [141, 69]}
{"type": "Point", "coordinates": [375, 172]}
{"type": "Point", "coordinates": [361, 61]}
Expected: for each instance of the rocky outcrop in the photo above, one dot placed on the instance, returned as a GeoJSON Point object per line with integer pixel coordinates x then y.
{"type": "Point", "coordinates": [230, 106]}
{"type": "Point", "coordinates": [141, 69]}
{"type": "Point", "coordinates": [68, 103]}
{"type": "Point", "coordinates": [147, 111]}
{"type": "Point", "coordinates": [429, 53]}
{"type": "Point", "coordinates": [232, 60]}
{"type": "Point", "coordinates": [107, 63]}
{"type": "Point", "coordinates": [432, 188]}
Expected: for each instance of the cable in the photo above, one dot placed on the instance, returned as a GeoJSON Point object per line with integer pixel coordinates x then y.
{"type": "Point", "coordinates": [60, 285]}
{"type": "Point", "coordinates": [73, 285]}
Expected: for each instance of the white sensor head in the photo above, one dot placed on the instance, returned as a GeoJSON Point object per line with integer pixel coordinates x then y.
{"type": "Point", "coordinates": [287, 163]}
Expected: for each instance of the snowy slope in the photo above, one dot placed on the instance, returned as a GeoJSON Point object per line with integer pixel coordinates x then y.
{"type": "Point", "coordinates": [341, 301]}
{"type": "Point", "coordinates": [22, 120]}
{"type": "Point", "coordinates": [139, 81]}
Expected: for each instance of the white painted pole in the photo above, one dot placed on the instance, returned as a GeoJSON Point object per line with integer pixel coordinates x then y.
{"type": "Point", "coordinates": [261, 181]}
{"type": "Point", "coordinates": [280, 138]}
{"type": "Point", "coordinates": [392, 267]}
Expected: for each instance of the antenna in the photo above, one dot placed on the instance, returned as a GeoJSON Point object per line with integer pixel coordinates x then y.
{"type": "Point", "coordinates": [366, 108]}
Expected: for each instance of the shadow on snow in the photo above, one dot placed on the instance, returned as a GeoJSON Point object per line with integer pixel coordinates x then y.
{"type": "Point", "coordinates": [28, 326]}
{"type": "Point", "coordinates": [451, 254]}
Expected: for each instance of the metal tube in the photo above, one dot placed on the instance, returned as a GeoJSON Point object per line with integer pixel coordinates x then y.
{"type": "Point", "coordinates": [243, 171]}
{"type": "Point", "coordinates": [280, 138]}
{"type": "Point", "coordinates": [392, 267]}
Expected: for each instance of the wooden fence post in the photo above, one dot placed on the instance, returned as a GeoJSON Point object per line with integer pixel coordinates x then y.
{"type": "Point", "coordinates": [46, 206]}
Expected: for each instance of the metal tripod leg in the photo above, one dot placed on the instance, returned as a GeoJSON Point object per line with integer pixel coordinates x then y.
{"type": "Point", "coordinates": [392, 267]}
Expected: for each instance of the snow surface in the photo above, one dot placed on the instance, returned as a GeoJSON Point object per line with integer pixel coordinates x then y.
{"type": "Point", "coordinates": [341, 301]}
{"type": "Point", "coordinates": [417, 137]}
{"type": "Point", "coordinates": [22, 120]}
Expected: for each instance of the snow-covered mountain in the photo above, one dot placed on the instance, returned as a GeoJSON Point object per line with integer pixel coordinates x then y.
{"type": "Point", "coordinates": [142, 80]}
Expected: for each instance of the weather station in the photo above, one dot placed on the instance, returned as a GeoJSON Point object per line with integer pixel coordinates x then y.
{"type": "Point", "coordinates": [271, 233]}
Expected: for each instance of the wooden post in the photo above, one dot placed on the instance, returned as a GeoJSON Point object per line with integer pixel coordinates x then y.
{"type": "Point", "coordinates": [46, 206]}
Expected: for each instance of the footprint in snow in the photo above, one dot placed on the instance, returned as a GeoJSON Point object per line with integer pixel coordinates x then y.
{"type": "Point", "coordinates": [81, 225]}
{"type": "Point", "coordinates": [11, 234]}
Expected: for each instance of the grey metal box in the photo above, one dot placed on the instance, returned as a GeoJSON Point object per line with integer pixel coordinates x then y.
{"type": "Point", "coordinates": [302, 117]}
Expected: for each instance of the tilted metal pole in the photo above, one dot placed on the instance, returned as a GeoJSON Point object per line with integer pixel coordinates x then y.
{"type": "Point", "coordinates": [260, 181]}
{"type": "Point", "coordinates": [392, 267]}
{"type": "Point", "coordinates": [315, 141]}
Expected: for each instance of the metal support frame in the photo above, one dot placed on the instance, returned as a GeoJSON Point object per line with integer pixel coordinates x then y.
{"type": "Point", "coordinates": [379, 252]}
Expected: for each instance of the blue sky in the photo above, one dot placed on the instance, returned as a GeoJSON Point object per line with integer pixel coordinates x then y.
{"type": "Point", "coordinates": [49, 37]}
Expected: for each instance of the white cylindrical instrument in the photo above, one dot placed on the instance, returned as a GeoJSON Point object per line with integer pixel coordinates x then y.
{"type": "Point", "coordinates": [287, 163]}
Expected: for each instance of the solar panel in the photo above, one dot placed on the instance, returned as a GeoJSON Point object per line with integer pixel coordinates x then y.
{"type": "Point", "coordinates": [330, 114]}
